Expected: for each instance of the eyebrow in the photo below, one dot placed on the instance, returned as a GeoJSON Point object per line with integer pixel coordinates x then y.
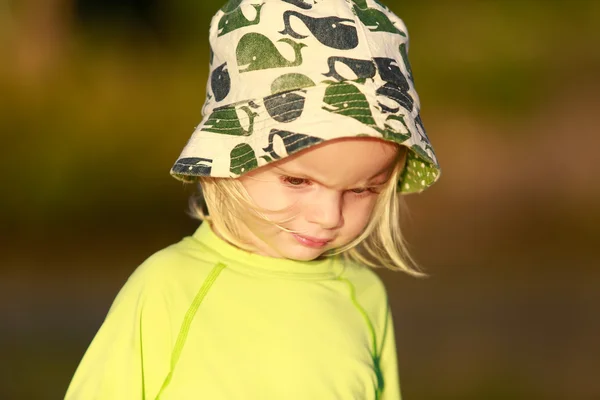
{"type": "Point", "coordinates": [385, 169]}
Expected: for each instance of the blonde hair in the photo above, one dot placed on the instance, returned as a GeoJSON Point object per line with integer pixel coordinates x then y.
{"type": "Point", "coordinates": [381, 244]}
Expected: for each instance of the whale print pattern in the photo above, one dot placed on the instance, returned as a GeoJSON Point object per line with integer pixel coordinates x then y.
{"type": "Point", "coordinates": [234, 18]}
{"type": "Point", "coordinates": [333, 32]}
{"type": "Point", "coordinates": [396, 86]}
{"type": "Point", "coordinates": [286, 75]}
{"type": "Point", "coordinates": [285, 107]}
{"type": "Point", "coordinates": [194, 165]}
{"type": "Point", "coordinates": [363, 69]}
{"type": "Point", "coordinates": [256, 51]}
{"type": "Point", "coordinates": [421, 131]}
{"type": "Point", "coordinates": [291, 141]}
{"type": "Point", "coordinates": [404, 53]}
{"type": "Point", "coordinates": [380, 4]}
{"type": "Point", "coordinates": [389, 71]}
{"type": "Point", "coordinates": [225, 121]}
{"type": "Point", "coordinates": [345, 98]}
{"type": "Point", "coordinates": [242, 158]}
{"type": "Point", "coordinates": [300, 3]}
{"type": "Point", "coordinates": [374, 19]}
{"type": "Point", "coordinates": [291, 81]}
{"type": "Point", "coordinates": [287, 104]}
{"type": "Point", "coordinates": [220, 82]}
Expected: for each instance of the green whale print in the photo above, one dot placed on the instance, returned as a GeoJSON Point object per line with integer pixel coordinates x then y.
{"type": "Point", "coordinates": [256, 51]}
{"type": "Point", "coordinates": [344, 98]}
{"type": "Point", "coordinates": [226, 121]}
{"type": "Point", "coordinates": [242, 158]}
{"type": "Point", "coordinates": [391, 133]}
{"type": "Point", "coordinates": [234, 18]}
{"type": "Point", "coordinates": [374, 19]}
{"type": "Point", "coordinates": [289, 82]}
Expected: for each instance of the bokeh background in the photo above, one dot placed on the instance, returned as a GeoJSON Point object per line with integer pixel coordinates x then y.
{"type": "Point", "coordinates": [97, 98]}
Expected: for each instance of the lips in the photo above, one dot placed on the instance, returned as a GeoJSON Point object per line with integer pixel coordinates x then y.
{"type": "Point", "coordinates": [310, 241]}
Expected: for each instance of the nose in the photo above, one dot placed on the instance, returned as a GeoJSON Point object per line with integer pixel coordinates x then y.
{"type": "Point", "coordinates": [326, 209]}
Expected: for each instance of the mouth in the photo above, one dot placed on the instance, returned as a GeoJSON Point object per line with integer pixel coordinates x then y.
{"type": "Point", "coordinates": [312, 242]}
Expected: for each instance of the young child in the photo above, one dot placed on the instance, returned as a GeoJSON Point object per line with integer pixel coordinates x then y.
{"type": "Point", "coordinates": [311, 133]}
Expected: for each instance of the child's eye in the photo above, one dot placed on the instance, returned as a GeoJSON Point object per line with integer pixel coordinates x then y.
{"type": "Point", "coordinates": [293, 181]}
{"type": "Point", "coordinates": [363, 192]}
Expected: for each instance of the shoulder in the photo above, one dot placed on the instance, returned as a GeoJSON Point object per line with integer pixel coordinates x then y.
{"type": "Point", "coordinates": [365, 281]}
{"type": "Point", "coordinates": [173, 274]}
{"type": "Point", "coordinates": [184, 259]}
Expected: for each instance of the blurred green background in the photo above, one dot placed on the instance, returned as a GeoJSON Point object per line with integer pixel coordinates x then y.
{"type": "Point", "coordinates": [98, 97]}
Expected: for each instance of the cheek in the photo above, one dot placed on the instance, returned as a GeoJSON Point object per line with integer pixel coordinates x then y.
{"type": "Point", "coordinates": [357, 213]}
{"type": "Point", "coordinates": [269, 195]}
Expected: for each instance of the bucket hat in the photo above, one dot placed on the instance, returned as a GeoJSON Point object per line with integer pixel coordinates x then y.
{"type": "Point", "coordinates": [286, 75]}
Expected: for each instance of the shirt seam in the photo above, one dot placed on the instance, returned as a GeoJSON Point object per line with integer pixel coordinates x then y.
{"type": "Point", "coordinates": [187, 321]}
{"type": "Point", "coordinates": [374, 347]}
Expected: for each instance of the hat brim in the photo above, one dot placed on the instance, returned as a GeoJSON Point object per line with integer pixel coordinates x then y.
{"type": "Point", "coordinates": [237, 138]}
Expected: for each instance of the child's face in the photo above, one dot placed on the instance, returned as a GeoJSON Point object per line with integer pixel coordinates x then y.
{"type": "Point", "coordinates": [327, 194]}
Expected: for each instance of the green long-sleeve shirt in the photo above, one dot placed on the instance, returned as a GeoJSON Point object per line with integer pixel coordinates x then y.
{"type": "Point", "coordinates": [203, 319]}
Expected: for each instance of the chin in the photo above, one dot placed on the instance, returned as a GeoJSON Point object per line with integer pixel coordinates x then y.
{"type": "Point", "coordinates": [302, 254]}
{"type": "Point", "coordinates": [295, 251]}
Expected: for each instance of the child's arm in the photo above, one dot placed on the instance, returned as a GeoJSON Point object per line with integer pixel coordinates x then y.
{"type": "Point", "coordinates": [388, 362]}
{"type": "Point", "coordinates": [129, 357]}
